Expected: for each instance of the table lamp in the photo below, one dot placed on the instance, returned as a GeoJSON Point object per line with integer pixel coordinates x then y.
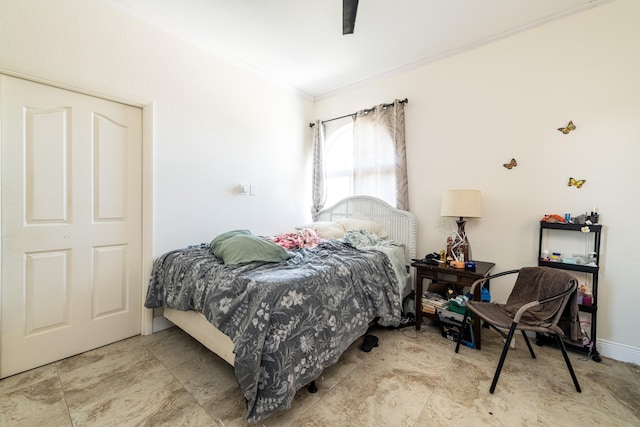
{"type": "Point", "coordinates": [462, 204]}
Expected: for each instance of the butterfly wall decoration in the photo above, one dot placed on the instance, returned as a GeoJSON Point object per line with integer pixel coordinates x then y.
{"type": "Point", "coordinates": [512, 164]}
{"type": "Point", "coordinates": [569, 128]}
{"type": "Point", "coordinates": [576, 182]}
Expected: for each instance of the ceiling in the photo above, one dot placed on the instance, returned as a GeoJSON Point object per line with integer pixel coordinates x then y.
{"type": "Point", "coordinates": [300, 43]}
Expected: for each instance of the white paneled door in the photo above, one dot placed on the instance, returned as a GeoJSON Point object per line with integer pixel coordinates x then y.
{"type": "Point", "coordinates": [71, 223]}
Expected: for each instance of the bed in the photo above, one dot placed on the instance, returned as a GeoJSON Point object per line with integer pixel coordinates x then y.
{"type": "Point", "coordinates": [281, 324]}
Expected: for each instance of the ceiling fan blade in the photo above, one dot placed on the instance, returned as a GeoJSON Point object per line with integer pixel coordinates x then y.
{"type": "Point", "coordinates": [349, 10]}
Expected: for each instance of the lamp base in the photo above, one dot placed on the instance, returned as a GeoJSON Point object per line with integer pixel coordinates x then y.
{"type": "Point", "coordinates": [458, 248]}
{"type": "Point", "coordinates": [462, 250]}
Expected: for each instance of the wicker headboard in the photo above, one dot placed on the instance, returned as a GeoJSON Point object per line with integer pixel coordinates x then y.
{"type": "Point", "coordinates": [401, 225]}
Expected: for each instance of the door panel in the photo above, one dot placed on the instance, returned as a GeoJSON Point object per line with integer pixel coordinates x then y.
{"type": "Point", "coordinates": [71, 223]}
{"type": "Point", "coordinates": [47, 154]}
{"type": "Point", "coordinates": [110, 284]}
{"type": "Point", "coordinates": [110, 166]}
{"type": "Point", "coordinates": [46, 297]}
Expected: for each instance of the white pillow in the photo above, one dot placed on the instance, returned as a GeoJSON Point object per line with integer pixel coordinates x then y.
{"type": "Point", "coordinates": [326, 229]}
{"type": "Point", "coordinates": [363, 224]}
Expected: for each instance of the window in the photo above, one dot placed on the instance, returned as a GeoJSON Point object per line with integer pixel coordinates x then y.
{"type": "Point", "coordinates": [359, 165]}
{"type": "Point", "coordinates": [339, 164]}
{"type": "Point", "coordinates": [362, 155]}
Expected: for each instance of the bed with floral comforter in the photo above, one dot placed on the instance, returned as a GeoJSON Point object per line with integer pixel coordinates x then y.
{"type": "Point", "coordinates": [289, 320]}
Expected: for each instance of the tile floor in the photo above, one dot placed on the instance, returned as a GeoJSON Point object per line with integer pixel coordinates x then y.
{"type": "Point", "coordinates": [411, 379]}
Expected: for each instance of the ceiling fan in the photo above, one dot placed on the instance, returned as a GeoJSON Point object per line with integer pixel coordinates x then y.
{"type": "Point", "coordinates": [349, 10]}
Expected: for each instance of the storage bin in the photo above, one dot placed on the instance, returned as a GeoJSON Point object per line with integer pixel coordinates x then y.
{"type": "Point", "coordinates": [450, 325]}
{"type": "Point", "coordinates": [457, 308]}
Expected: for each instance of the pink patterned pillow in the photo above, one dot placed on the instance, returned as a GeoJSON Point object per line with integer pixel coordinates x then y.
{"type": "Point", "coordinates": [305, 238]}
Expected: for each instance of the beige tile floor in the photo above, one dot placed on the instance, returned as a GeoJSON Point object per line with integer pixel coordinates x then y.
{"type": "Point", "coordinates": [411, 379]}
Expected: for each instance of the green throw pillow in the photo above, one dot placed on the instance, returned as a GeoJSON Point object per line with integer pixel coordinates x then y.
{"type": "Point", "coordinates": [243, 248]}
{"type": "Point", "coordinates": [215, 243]}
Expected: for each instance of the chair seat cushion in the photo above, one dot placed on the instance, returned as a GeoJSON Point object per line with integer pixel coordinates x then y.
{"type": "Point", "coordinates": [497, 315]}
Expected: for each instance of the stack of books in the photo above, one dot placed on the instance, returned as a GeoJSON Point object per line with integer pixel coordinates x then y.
{"type": "Point", "coordinates": [432, 302]}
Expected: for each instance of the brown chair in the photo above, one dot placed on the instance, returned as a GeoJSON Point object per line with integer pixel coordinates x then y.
{"type": "Point", "coordinates": [536, 303]}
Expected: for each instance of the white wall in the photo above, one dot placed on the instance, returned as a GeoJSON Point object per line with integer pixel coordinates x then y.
{"type": "Point", "coordinates": [470, 113]}
{"type": "Point", "coordinates": [215, 124]}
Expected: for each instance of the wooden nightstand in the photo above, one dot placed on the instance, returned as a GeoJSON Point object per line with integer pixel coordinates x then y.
{"type": "Point", "coordinates": [450, 276]}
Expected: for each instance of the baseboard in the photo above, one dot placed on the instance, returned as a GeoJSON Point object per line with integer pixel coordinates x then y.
{"type": "Point", "coordinates": [617, 351]}
{"type": "Point", "coordinates": [161, 323]}
{"type": "Point", "coordinates": [613, 350]}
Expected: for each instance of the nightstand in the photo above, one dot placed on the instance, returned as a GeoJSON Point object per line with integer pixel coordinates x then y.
{"type": "Point", "coordinates": [451, 277]}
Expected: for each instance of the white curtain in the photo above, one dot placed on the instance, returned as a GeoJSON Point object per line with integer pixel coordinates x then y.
{"type": "Point", "coordinates": [319, 178]}
{"type": "Point", "coordinates": [378, 149]}
{"type": "Point", "coordinates": [380, 161]}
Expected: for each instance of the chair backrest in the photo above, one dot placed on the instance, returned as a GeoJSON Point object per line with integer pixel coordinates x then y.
{"type": "Point", "coordinates": [539, 283]}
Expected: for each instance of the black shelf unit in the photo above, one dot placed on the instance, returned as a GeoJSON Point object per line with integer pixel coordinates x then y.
{"type": "Point", "coordinates": [596, 229]}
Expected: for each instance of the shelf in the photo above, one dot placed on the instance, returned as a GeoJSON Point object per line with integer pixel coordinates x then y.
{"type": "Point", "coordinates": [566, 266]}
{"type": "Point", "coordinates": [596, 229]}
{"type": "Point", "coordinates": [593, 228]}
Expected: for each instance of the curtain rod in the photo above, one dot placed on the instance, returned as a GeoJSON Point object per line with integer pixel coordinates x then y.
{"type": "Point", "coordinates": [402, 101]}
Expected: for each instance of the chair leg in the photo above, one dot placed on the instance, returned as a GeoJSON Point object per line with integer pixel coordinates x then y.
{"type": "Point", "coordinates": [462, 329]}
{"type": "Point", "coordinates": [526, 339]}
{"type": "Point", "coordinates": [503, 356]}
{"type": "Point", "coordinates": [568, 362]}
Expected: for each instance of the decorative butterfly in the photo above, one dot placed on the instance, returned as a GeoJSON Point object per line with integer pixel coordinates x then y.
{"type": "Point", "coordinates": [568, 129]}
{"type": "Point", "coordinates": [576, 183]}
{"type": "Point", "coordinates": [512, 164]}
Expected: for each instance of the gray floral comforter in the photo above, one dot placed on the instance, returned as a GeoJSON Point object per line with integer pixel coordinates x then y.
{"type": "Point", "coordinates": [288, 321]}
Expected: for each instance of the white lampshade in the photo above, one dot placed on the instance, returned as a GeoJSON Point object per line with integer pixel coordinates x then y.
{"type": "Point", "coordinates": [461, 203]}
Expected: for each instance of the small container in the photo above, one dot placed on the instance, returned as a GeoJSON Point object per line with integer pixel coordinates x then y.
{"type": "Point", "coordinates": [457, 264]}
{"type": "Point", "coordinates": [587, 299]}
{"type": "Point", "coordinates": [580, 259]}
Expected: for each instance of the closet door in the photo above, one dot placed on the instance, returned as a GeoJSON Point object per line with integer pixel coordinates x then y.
{"type": "Point", "coordinates": [71, 223]}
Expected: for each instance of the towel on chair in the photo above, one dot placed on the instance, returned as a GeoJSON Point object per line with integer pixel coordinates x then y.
{"type": "Point", "coordinates": [537, 283]}
{"type": "Point", "coordinates": [569, 321]}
